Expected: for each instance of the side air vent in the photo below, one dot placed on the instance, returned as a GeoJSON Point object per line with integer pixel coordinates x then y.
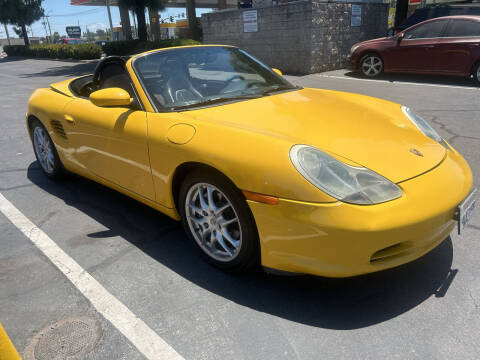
{"type": "Point", "coordinates": [58, 129]}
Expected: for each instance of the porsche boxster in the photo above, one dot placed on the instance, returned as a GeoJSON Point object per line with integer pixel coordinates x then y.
{"type": "Point", "coordinates": [259, 171]}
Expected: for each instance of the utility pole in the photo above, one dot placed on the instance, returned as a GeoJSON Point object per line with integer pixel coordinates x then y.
{"type": "Point", "coordinates": [44, 23]}
{"type": "Point", "coordinates": [8, 36]}
{"type": "Point", "coordinates": [107, 2]}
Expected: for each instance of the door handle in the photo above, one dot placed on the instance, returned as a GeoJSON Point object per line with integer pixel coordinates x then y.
{"type": "Point", "coordinates": [70, 119]}
{"type": "Point", "coordinates": [430, 46]}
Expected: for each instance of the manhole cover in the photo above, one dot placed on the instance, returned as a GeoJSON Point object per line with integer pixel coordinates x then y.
{"type": "Point", "coordinates": [69, 339]}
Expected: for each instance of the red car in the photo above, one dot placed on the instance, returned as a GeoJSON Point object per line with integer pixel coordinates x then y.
{"type": "Point", "coordinates": [447, 45]}
{"type": "Point", "coordinates": [70, 41]}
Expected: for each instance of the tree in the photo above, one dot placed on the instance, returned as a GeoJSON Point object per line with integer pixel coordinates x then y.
{"type": "Point", "coordinates": [21, 13]}
{"type": "Point", "coordinates": [138, 6]}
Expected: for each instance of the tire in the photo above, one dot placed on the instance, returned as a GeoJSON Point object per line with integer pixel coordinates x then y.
{"type": "Point", "coordinates": [45, 151]}
{"type": "Point", "coordinates": [476, 73]}
{"type": "Point", "coordinates": [225, 234]}
{"type": "Point", "coordinates": [371, 65]}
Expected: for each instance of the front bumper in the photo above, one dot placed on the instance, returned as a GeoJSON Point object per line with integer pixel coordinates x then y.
{"type": "Point", "coordinates": [341, 240]}
{"type": "Point", "coordinates": [351, 63]}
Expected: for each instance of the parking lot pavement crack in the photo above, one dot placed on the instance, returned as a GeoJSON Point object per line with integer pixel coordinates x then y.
{"type": "Point", "coordinates": [475, 303]}
{"type": "Point", "coordinates": [453, 134]}
{"type": "Point", "coordinates": [8, 188]}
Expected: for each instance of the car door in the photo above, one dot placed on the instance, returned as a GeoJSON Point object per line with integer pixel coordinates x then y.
{"type": "Point", "coordinates": [111, 142]}
{"type": "Point", "coordinates": [413, 50]}
{"type": "Point", "coordinates": [459, 49]}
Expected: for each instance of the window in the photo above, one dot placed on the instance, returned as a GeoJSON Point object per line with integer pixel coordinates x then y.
{"type": "Point", "coordinates": [463, 28]}
{"type": "Point", "coordinates": [432, 29]}
{"type": "Point", "coordinates": [179, 79]}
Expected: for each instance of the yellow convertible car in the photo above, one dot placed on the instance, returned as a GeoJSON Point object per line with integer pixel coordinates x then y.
{"type": "Point", "coordinates": [258, 170]}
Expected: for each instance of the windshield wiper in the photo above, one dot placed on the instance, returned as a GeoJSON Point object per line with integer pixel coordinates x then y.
{"type": "Point", "coordinates": [279, 88]}
{"type": "Point", "coordinates": [217, 100]}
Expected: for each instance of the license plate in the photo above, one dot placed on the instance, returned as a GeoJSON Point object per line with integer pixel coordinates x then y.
{"type": "Point", "coordinates": [465, 210]}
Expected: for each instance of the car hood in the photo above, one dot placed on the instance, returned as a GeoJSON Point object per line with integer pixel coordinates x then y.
{"type": "Point", "coordinates": [370, 132]}
{"type": "Point", "coordinates": [374, 41]}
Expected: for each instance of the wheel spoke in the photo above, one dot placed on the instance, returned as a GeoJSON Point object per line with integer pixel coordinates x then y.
{"type": "Point", "coordinates": [224, 223]}
{"type": "Point", "coordinates": [195, 208]}
{"type": "Point", "coordinates": [203, 204]}
{"type": "Point", "coordinates": [211, 202]}
{"type": "Point", "coordinates": [219, 239]}
{"type": "Point", "coordinates": [222, 209]}
{"type": "Point", "coordinates": [229, 238]}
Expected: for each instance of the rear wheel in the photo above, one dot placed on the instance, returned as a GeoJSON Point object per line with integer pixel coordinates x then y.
{"type": "Point", "coordinates": [371, 65]}
{"type": "Point", "coordinates": [45, 151]}
{"type": "Point", "coordinates": [218, 221]}
{"type": "Point", "coordinates": [476, 73]}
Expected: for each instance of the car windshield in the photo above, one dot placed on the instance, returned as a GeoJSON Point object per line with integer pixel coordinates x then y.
{"type": "Point", "coordinates": [186, 78]}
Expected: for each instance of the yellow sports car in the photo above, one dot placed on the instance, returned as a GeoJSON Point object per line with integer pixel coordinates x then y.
{"type": "Point", "coordinates": [258, 170]}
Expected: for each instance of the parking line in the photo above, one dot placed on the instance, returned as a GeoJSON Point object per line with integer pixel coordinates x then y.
{"type": "Point", "coordinates": [399, 82]}
{"type": "Point", "coordinates": [147, 341]}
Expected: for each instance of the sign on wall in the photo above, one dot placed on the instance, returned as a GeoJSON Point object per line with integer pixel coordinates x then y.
{"type": "Point", "coordinates": [250, 23]}
{"type": "Point", "coordinates": [356, 18]}
{"type": "Point", "coordinates": [74, 31]}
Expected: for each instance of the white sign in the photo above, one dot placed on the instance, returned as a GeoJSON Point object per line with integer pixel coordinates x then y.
{"type": "Point", "coordinates": [250, 23]}
{"type": "Point", "coordinates": [356, 18]}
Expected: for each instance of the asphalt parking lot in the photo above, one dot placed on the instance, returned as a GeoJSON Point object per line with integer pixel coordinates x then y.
{"type": "Point", "coordinates": [428, 309]}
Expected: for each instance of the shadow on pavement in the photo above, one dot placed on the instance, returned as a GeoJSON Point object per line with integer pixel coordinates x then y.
{"type": "Point", "coordinates": [421, 79]}
{"type": "Point", "coordinates": [66, 70]}
{"type": "Point", "coordinates": [328, 303]}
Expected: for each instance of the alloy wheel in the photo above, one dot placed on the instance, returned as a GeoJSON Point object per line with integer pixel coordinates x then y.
{"type": "Point", "coordinates": [44, 149]}
{"type": "Point", "coordinates": [372, 65]}
{"type": "Point", "coordinates": [213, 222]}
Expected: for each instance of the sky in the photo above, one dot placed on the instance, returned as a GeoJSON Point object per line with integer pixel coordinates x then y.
{"type": "Point", "coordinates": [62, 14]}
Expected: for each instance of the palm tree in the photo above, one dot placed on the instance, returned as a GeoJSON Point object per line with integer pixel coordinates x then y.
{"type": "Point", "coordinates": [138, 6]}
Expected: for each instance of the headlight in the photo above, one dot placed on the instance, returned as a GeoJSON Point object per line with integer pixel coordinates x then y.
{"type": "Point", "coordinates": [353, 48]}
{"type": "Point", "coordinates": [424, 126]}
{"type": "Point", "coordinates": [350, 184]}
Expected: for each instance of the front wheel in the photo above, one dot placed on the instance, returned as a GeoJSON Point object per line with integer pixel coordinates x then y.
{"type": "Point", "coordinates": [371, 65]}
{"type": "Point", "coordinates": [45, 151]}
{"type": "Point", "coordinates": [218, 221]}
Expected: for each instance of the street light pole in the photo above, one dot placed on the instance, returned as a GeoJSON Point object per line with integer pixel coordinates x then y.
{"type": "Point", "coordinates": [107, 2]}
{"type": "Point", "coordinates": [8, 36]}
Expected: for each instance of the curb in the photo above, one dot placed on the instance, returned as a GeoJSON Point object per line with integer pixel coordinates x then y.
{"type": "Point", "coordinates": [7, 350]}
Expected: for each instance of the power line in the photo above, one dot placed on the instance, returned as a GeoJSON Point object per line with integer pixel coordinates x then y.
{"type": "Point", "coordinates": [84, 12]}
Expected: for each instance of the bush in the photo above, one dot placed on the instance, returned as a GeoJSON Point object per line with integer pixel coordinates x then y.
{"type": "Point", "coordinates": [131, 47]}
{"type": "Point", "coordinates": [55, 51]}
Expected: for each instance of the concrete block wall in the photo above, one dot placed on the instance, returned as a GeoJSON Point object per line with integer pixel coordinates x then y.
{"type": "Point", "coordinates": [332, 35]}
{"type": "Point", "coordinates": [283, 34]}
{"type": "Point", "coordinates": [298, 37]}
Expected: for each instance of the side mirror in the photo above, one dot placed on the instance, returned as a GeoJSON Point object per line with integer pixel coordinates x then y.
{"type": "Point", "coordinates": [277, 71]}
{"type": "Point", "coordinates": [110, 97]}
{"type": "Point", "coordinates": [400, 37]}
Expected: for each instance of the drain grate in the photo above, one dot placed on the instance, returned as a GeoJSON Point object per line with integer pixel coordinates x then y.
{"type": "Point", "coordinates": [71, 339]}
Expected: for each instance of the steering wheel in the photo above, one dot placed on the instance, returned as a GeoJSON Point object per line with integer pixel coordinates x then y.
{"type": "Point", "coordinates": [235, 77]}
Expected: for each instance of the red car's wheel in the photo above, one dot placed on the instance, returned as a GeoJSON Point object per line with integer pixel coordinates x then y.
{"type": "Point", "coordinates": [476, 73]}
{"type": "Point", "coordinates": [371, 65]}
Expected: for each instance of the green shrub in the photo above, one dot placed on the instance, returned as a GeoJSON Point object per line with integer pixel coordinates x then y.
{"type": "Point", "coordinates": [55, 51]}
{"type": "Point", "coordinates": [130, 47]}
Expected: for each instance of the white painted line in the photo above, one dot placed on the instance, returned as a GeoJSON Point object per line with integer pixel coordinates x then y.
{"type": "Point", "coordinates": [399, 82]}
{"type": "Point", "coordinates": [147, 341]}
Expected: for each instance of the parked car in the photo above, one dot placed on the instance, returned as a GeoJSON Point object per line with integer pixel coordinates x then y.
{"type": "Point", "coordinates": [70, 41]}
{"type": "Point", "coordinates": [258, 170]}
{"type": "Point", "coordinates": [448, 45]}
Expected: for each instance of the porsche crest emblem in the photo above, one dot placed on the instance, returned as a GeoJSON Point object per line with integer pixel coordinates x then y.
{"type": "Point", "coordinates": [416, 152]}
